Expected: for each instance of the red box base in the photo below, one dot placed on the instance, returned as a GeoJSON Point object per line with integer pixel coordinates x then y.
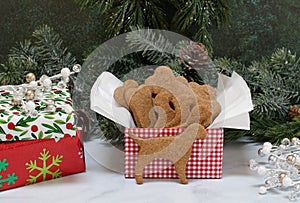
{"type": "Point", "coordinates": [28, 162]}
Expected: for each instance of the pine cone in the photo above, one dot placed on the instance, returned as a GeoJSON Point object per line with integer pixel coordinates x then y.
{"type": "Point", "coordinates": [294, 111]}
{"type": "Point", "coordinates": [195, 56]}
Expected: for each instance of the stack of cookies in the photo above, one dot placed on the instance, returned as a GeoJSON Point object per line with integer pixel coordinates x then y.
{"type": "Point", "coordinates": [168, 101]}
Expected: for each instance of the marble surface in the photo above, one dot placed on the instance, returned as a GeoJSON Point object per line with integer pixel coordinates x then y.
{"type": "Point", "coordinates": [99, 184]}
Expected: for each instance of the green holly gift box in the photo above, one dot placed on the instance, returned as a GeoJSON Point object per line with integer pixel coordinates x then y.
{"type": "Point", "coordinates": [16, 124]}
{"type": "Point", "coordinates": [39, 139]}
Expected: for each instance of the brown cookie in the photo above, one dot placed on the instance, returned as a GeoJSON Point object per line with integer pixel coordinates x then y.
{"type": "Point", "coordinates": [168, 101]}
{"type": "Point", "coordinates": [165, 100]}
{"type": "Point", "coordinates": [208, 107]}
{"type": "Point", "coordinates": [119, 93]}
{"type": "Point", "coordinates": [141, 105]}
{"type": "Point", "coordinates": [128, 94]}
{"type": "Point", "coordinates": [183, 105]}
{"type": "Point", "coordinates": [203, 91]}
{"type": "Point", "coordinates": [182, 80]}
{"type": "Point", "coordinates": [175, 148]}
{"type": "Point", "coordinates": [160, 117]}
{"type": "Point", "coordinates": [164, 77]}
{"type": "Point", "coordinates": [202, 114]}
{"type": "Point", "coordinates": [161, 76]}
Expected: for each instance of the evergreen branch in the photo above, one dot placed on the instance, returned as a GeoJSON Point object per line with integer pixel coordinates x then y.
{"type": "Point", "coordinates": [274, 89]}
{"type": "Point", "coordinates": [154, 45]}
{"type": "Point", "coordinates": [11, 74]}
{"type": "Point", "coordinates": [25, 55]}
{"type": "Point", "coordinates": [102, 6]}
{"type": "Point", "coordinates": [110, 132]}
{"type": "Point", "coordinates": [155, 15]}
{"type": "Point", "coordinates": [110, 58]}
{"type": "Point", "coordinates": [275, 131]}
{"type": "Point", "coordinates": [201, 15]}
{"type": "Point", "coordinates": [51, 53]}
{"type": "Point", "coordinates": [270, 104]}
{"type": "Point", "coordinates": [221, 11]}
{"type": "Point", "coordinates": [125, 65]}
{"type": "Point", "coordinates": [126, 14]}
{"type": "Point", "coordinates": [190, 12]}
{"type": "Point", "coordinates": [282, 61]}
{"type": "Point", "coordinates": [203, 36]}
{"type": "Point", "coordinates": [45, 54]}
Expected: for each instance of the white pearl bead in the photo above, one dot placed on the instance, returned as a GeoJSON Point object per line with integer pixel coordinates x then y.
{"type": "Point", "coordinates": [30, 105]}
{"type": "Point", "coordinates": [260, 152]}
{"type": "Point", "coordinates": [266, 150]}
{"type": "Point", "coordinates": [285, 142]}
{"type": "Point", "coordinates": [261, 170]}
{"type": "Point", "coordinates": [47, 82]}
{"type": "Point", "coordinates": [77, 68]}
{"type": "Point", "coordinates": [262, 190]}
{"type": "Point", "coordinates": [297, 160]}
{"type": "Point", "coordinates": [65, 72]}
{"type": "Point", "coordinates": [287, 181]}
{"type": "Point", "coordinates": [252, 165]}
{"type": "Point", "coordinates": [33, 83]}
{"type": "Point", "coordinates": [43, 77]}
{"type": "Point", "coordinates": [272, 159]}
{"type": "Point", "coordinates": [268, 145]}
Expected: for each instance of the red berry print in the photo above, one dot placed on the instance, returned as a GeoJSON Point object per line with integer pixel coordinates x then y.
{"type": "Point", "coordinates": [34, 128]}
{"type": "Point", "coordinates": [69, 126]}
{"type": "Point", "coordinates": [9, 136]}
{"type": "Point", "coordinates": [11, 125]}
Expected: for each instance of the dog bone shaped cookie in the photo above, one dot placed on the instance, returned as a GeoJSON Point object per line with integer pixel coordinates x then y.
{"type": "Point", "coordinates": [120, 94]}
{"type": "Point", "coordinates": [168, 101]}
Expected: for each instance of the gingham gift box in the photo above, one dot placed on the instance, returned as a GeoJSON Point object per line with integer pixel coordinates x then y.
{"type": "Point", "coordinates": [205, 160]}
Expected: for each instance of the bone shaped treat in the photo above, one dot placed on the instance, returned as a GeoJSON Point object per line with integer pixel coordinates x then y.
{"type": "Point", "coordinates": [168, 101]}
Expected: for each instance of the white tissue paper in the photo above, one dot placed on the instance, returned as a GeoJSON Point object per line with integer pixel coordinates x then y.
{"type": "Point", "coordinates": [235, 98]}
{"type": "Point", "coordinates": [232, 93]}
{"type": "Point", "coordinates": [103, 102]}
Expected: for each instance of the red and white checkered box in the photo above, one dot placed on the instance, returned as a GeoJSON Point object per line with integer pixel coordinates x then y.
{"type": "Point", "coordinates": [205, 160]}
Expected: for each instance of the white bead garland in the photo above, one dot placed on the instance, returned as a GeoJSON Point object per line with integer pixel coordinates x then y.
{"type": "Point", "coordinates": [279, 165]}
{"type": "Point", "coordinates": [36, 89]}
{"type": "Point", "coordinates": [262, 190]}
{"type": "Point", "coordinates": [65, 72]}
